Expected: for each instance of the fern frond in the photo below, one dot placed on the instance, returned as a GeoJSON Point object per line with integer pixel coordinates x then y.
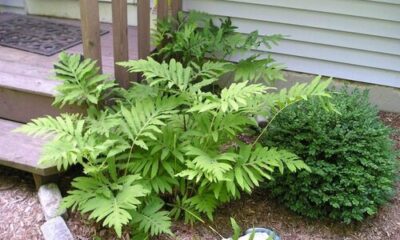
{"type": "Point", "coordinates": [158, 175]}
{"type": "Point", "coordinates": [256, 164]}
{"type": "Point", "coordinates": [110, 203]}
{"type": "Point", "coordinates": [62, 152]}
{"type": "Point", "coordinates": [137, 92]}
{"type": "Point", "coordinates": [161, 184]}
{"type": "Point", "coordinates": [68, 138]}
{"type": "Point", "coordinates": [204, 203]}
{"type": "Point", "coordinates": [209, 72]}
{"type": "Point", "coordinates": [172, 74]}
{"type": "Point", "coordinates": [253, 69]}
{"type": "Point", "coordinates": [82, 83]}
{"type": "Point", "coordinates": [151, 219]}
{"type": "Point", "coordinates": [65, 124]}
{"type": "Point", "coordinates": [213, 167]}
{"type": "Point", "coordinates": [183, 207]}
{"type": "Point", "coordinates": [239, 95]}
{"type": "Point", "coordinates": [142, 121]}
{"type": "Point", "coordinates": [102, 122]}
{"type": "Point", "coordinates": [301, 91]}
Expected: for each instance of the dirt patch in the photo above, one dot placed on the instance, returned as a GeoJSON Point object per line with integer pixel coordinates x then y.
{"type": "Point", "coordinates": [392, 120]}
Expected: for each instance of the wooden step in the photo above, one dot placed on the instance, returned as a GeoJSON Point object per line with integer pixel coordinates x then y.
{"type": "Point", "coordinates": [23, 98]}
{"type": "Point", "coordinates": [20, 151]}
{"type": "Point", "coordinates": [26, 85]}
{"type": "Point", "coordinates": [23, 152]}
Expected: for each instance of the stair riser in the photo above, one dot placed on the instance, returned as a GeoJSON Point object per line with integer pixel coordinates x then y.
{"type": "Point", "coordinates": [22, 106]}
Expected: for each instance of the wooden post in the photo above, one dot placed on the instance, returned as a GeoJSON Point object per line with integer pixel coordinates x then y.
{"type": "Point", "coordinates": [41, 180]}
{"type": "Point", "coordinates": [120, 40]}
{"type": "Point", "coordinates": [90, 25]}
{"type": "Point", "coordinates": [162, 9]}
{"type": "Point", "coordinates": [176, 7]}
{"type": "Point", "coordinates": [143, 8]}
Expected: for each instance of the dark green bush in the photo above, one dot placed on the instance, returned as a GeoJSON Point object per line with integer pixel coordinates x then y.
{"type": "Point", "coordinates": [351, 156]}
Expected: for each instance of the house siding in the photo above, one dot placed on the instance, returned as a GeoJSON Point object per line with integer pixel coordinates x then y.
{"type": "Point", "coordinates": [12, 3]}
{"type": "Point", "coordinates": [17, 6]}
{"type": "Point", "coordinates": [70, 9]}
{"type": "Point", "coordinates": [350, 39]}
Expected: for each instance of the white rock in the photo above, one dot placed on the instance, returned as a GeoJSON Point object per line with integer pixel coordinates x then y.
{"type": "Point", "coordinates": [257, 236]}
{"type": "Point", "coordinates": [56, 229]}
{"type": "Point", "coordinates": [50, 199]}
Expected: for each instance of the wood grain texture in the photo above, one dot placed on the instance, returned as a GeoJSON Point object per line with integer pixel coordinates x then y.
{"type": "Point", "coordinates": [33, 73]}
{"type": "Point", "coordinates": [90, 25]}
{"type": "Point", "coordinates": [120, 40]}
{"type": "Point", "coordinates": [20, 151]}
{"type": "Point", "coordinates": [22, 106]}
{"type": "Point", "coordinates": [176, 6]}
{"type": "Point", "coordinates": [162, 9]}
{"type": "Point", "coordinates": [143, 28]}
{"type": "Point", "coordinates": [28, 84]}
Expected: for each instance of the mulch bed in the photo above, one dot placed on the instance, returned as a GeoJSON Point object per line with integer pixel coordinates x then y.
{"type": "Point", "coordinates": [20, 212]}
{"type": "Point", "coordinates": [21, 216]}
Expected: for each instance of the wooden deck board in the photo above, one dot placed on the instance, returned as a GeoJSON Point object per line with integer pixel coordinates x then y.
{"type": "Point", "coordinates": [17, 66]}
{"type": "Point", "coordinates": [27, 84]}
{"type": "Point", "coordinates": [20, 151]}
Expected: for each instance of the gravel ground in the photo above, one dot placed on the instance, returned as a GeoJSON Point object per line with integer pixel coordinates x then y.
{"type": "Point", "coordinates": [21, 215]}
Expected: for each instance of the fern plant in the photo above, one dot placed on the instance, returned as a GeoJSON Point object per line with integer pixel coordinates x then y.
{"type": "Point", "coordinates": [167, 147]}
{"type": "Point", "coordinates": [81, 81]}
{"type": "Point", "coordinates": [197, 37]}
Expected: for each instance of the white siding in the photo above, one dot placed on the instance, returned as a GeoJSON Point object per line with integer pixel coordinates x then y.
{"type": "Point", "coordinates": [12, 3]}
{"type": "Point", "coordinates": [16, 6]}
{"type": "Point", "coordinates": [70, 9]}
{"type": "Point", "coordinates": [351, 39]}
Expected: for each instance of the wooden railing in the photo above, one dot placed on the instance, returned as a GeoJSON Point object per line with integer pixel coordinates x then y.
{"type": "Point", "coordinates": [90, 24]}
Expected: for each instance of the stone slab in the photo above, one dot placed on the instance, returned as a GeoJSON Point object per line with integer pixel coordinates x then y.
{"type": "Point", "coordinates": [50, 199]}
{"type": "Point", "coordinates": [56, 229]}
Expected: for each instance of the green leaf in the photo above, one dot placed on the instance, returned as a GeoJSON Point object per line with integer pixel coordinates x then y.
{"type": "Point", "coordinates": [152, 219]}
{"type": "Point", "coordinates": [82, 82]}
{"type": "Point", "coordinates": [104, 202]}
{"type": "Point", "coordinates": [237, 231]}
{"type": "Point", "coordinates": [204, 203]}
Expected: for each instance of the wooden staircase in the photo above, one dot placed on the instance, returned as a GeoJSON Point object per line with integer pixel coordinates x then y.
{"type": "Point", "coordinates": [27, 90]}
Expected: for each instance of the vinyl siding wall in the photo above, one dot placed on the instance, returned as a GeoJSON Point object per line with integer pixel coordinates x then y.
{"type": "Point", "coordinates": [350, 39]}
{"type": "Point", "coordinates": [17, 6]}
{"type": "Point", "coordinates": [70, 9]}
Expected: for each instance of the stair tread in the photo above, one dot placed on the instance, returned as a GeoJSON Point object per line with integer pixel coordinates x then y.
{"type": "Point", "coordinates": [20, 151]}
{"type": "Point", "coordinates": [28, 84]}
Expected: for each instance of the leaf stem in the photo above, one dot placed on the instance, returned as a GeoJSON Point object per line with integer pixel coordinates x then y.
{"type": "Point", "coordinates": [272, 119]}
{"type": "Point", "coordinates": [198, 218]}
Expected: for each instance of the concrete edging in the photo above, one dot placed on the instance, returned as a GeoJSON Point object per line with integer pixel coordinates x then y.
{"type": "Point", "coordinates": [55, 227]}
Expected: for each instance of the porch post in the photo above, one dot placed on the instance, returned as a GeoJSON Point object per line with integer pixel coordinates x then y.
{"type": "Point", "coordinates": [162, 9]}
{"type": "Point", "coordinates": [143, 14]}
{"type": "Point", "coordinates": [90, 26]}
{"type": "Point", "coordinates": [176, 7]}
{"type": "Point", "coordinates": [120, 40]}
